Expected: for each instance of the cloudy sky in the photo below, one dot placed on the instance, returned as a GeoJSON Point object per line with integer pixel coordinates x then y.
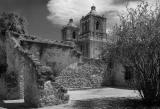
{"type": "Point", "coordinates": [46, 17]}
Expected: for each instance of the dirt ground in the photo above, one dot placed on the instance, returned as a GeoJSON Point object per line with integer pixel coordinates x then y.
{"type": "Point", "coordinates": [102, 98]}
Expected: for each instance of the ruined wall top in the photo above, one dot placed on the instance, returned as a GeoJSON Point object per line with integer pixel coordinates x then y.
{"type": "Point", "coordinates": [33, 60]}
{"type": "Point", "coordinates": [34, 39]}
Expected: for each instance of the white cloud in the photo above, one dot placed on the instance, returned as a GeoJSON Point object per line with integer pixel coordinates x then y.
{"type": "Point", "coordinates": [62, 10]}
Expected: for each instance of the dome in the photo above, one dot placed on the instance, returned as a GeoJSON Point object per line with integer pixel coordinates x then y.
{"type": "Point", "coordinates": [93, 8]}
{"type": "Point", "coordinates": [70, 23]}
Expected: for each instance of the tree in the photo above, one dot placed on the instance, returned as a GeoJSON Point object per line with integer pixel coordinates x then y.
{"type": "Point", "coordinates": [12, 22]}
{"type": "Point", "coordinates": [138, 47]}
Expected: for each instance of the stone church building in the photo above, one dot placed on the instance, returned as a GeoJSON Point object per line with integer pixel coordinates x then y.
{"type": "Point", "coordinates": [29, 65]}
{"type": "Point", "coordinates": [90, 36]}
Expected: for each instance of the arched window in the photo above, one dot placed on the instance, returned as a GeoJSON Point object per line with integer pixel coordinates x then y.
{"type": "Point", "coordinates": [74, 35]}
{"type": "Point", "coordinates": [97, 25]}
{"type": "Point", "coordinates": [85, 26]}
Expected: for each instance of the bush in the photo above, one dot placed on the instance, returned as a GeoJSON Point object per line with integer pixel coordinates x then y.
{"type": "Point", "coordinates": [53, 93]}
{"type": "Point", "coordinates": [86, 75]}
{"type": "Point", "coordinates": [139, 48]}
{"type": "Point", "coordinates": [13, 22]}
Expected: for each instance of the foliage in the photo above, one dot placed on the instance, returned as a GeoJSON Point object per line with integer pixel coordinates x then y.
{"type": "Point", "coordinates": [138, 47]}
{"type": "Point", "coordinates": [12, 22]}
{"type": "Point", "coordinates": [85, 75]}
{"type": "Point", "coordinates": [53, 93]}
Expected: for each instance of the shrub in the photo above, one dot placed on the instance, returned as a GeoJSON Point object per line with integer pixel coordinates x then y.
{"type": "Point", "coordinates": [85, 75]}
{"type": "Point", "coordinates": [12, 22]}
{"type": "Point", "coordinates": [138, 47]}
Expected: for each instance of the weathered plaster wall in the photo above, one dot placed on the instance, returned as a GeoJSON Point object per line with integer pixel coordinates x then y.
{"type": "Point", "coordinates": [3, 87]}
{"type": "Point", "coordinates": [95, 48]}
{"type": "Point", "coordinates": [58, 57]}
{"type": "Point", "coordinates": [30, 76]}
{"type": "Point", "coordinates": [114, 75]}
{"type": "Point", "coordinates": [12, 71]}
{"type": "Point", "coordinates": [119, 77]}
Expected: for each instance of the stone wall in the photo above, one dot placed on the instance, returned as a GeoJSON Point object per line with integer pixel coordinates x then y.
{"type": "Point", "coordinates": [95, 48]}
{"type": "Point", "coordinates": [115, 75]}
{"type": "Point", "coordinates": [3, 67]}
{"type": "Point", "coordinates": [57, 56]}
{"type": "Point", "coordinates": [33, 78]}
{"type": "Point", "coordinates": [3, 88]}
{"type": "Point", "coordinates": [119, 75]}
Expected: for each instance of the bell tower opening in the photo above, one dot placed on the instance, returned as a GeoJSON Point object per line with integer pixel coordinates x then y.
{"type": "Point", "coordinates": [74, 35]}
{"type": "Point", "coordinates": [97, 25]}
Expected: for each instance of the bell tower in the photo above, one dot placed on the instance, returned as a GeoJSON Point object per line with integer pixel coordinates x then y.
{"type": "Point", "coordinates": [70, 31]}
{"type": "Point", "coordinates": [92, 34]}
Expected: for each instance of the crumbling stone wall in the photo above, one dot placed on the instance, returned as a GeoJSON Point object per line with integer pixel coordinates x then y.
{"type": "Point", "coordinates": [54, 54]}
{"type": "Point", "coordinates": [33, 80]}
{"type": "Point", "coordinates": [3, 67]}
